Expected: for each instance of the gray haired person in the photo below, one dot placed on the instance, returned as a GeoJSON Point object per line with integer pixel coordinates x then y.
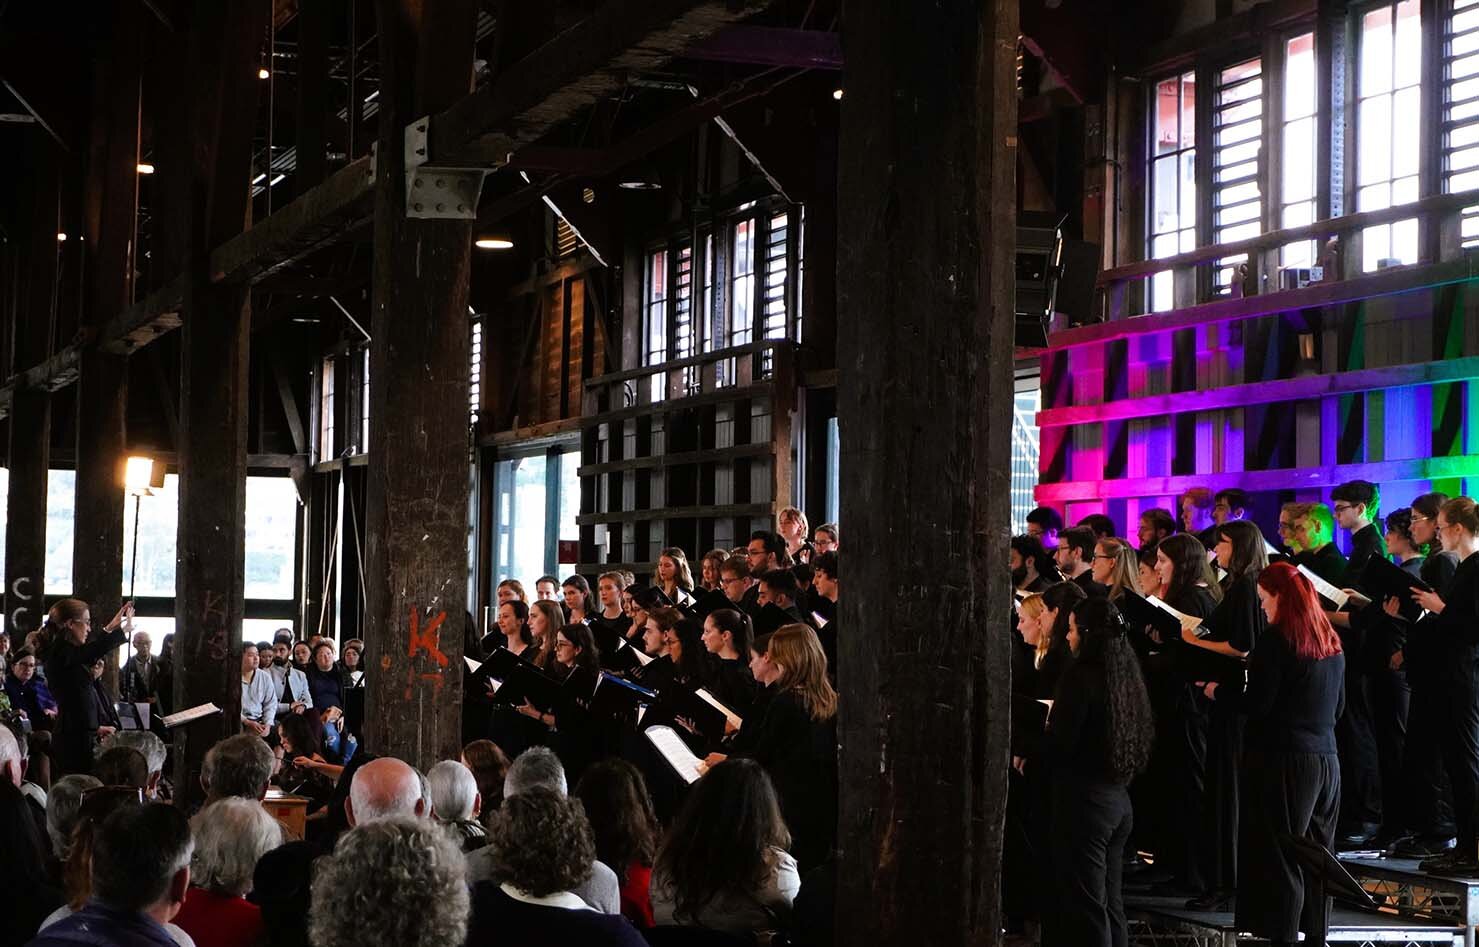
{"type": "Point", "coordinates": [394, 880]}
{"type": "Point", "coordinates": [63, 805]}
{"type": "Point", "coordinates": [455, 803]}
{"type": "Point", "coordinates": [539, 767]}
{"type": "Point", "coordinates": [230, 836]}
{"type": "Point", "coordinates": [238, 766]}
{"type": "Point", "coordinates": [149, 746]}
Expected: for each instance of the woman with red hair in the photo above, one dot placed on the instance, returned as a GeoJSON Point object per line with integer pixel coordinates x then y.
{"type": "Point", "coordinates": [1291, 775]}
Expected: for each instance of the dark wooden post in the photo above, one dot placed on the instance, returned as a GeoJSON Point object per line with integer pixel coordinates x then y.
{"type": "Point", "coordinates": [213, 384]}
{"type": "Point", "coordinates": [925, 278]}
{"type": "Point", "coordinates": [416, 497]}
{"type": "Point", "coordinates": [102, 386]}
{"type": "Point", "coordinates": [30, 409]}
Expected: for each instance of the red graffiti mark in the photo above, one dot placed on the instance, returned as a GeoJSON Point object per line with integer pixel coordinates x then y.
{"type": "Point", "coordinates": [212, 607]}
{"type": "Point", "coordinates": [411, 677]}
{"type": "Point", "coordinates": [217, 646]}
{"type": "Point", "coordinates": [428, 640]}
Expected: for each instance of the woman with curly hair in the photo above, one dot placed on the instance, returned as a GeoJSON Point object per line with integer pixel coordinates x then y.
{"type": "Point", "coordinates": [1098, 739]}
{"type": "Point", "coordinates": [625, 826]}
{"type": "Point", "coordinates": [395, 880]}
{"type": "Point", "coordinates": [724, 864]}
{"type": "Point", "coordinates": [1294, 693]}
{"type": "Point", "coordinates": [542, 849]}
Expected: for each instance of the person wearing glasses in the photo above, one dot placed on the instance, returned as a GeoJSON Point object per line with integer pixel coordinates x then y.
{"type": "Point", "coordinates": [69, 656]}
{"type": "Point", "coordinates": [736, 580]}
{"type": "Point", "coordinates": [28, 692]}
{"type": "Point", "coordinates": [1356, 506]}
{"type": "Point", "coordinates": [1454, 629]}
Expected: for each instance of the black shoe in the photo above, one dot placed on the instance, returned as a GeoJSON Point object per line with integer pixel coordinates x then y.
{"type": "Point", "coordinates": [1359, 834]}
{"type": "Point", "coordinates": [1440, 862]}
{"type": "Point", "coordinates": [1420, 846]}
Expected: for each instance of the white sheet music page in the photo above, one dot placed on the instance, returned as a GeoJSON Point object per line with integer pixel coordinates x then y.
{"type": "Point", "coordinates": [675, 751]}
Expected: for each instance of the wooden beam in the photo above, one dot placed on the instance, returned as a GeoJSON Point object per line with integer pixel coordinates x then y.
{"type": "Point", "coordinates": [586, 63]}
{"type": "Point", "coordinates": [289, 405]}
{"type": "Point", "coordinates": [210, 567]}
{"type": "Point", "coordinates": [1405, 279]}
{"type": "Point", "coordinates": [417, 488]}
{"type": "Point", "coordinates": [930, 119]}
{"type": "Point", "coordinates": [771, 46]}
{"type": "Point", "coordinates": [315, 25]}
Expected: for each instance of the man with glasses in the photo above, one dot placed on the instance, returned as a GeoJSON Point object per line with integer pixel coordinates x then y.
{"type": "Point", "coordinates": [1356, 505]}
{"type": "Point", "coordinates": [736, 582]}
{"type": "Point", "coordinates": [28, 692]}
{"type": "Point", "coordinates": [1075, 559]}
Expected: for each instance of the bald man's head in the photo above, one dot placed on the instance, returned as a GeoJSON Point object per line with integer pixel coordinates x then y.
{"type": "Point", "coordinates": [384, 788]}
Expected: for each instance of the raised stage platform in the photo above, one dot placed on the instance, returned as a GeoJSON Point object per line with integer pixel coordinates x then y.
{"type": "Point", "coordinates": [1165, 922]}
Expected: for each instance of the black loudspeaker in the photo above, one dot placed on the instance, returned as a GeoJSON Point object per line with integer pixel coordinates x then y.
{"type": "Point", "coordinates": [1039, 246]}
{"type": "Point", "coordinates": [1077, 281]}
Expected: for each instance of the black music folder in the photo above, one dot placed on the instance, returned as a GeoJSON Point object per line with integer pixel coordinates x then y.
{"type": "Point", "coordinates": [1380, 580]}
{"type": "Point", "coordinates": [1141, 613]}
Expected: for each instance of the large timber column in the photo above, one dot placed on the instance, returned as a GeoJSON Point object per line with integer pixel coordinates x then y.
{"type": "Point", "coordinates": [924, 352]}
{"type": "Point", "coordinates": [223, 51]}
{"type": "Point", "coordinates": [102, 385]}
{"type": "Point", "coordinates": [30, 408]}
{"type": "Point", "coordinates": [416, 517]}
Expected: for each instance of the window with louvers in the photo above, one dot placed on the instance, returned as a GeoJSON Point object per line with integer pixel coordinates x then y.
{"type": "Point", "coordinates": [1461, 110]}
{"type": "Point", "coordinates": [1237, 133]}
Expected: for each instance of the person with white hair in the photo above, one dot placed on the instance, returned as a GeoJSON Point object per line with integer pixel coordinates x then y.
{"type": "Point", "coordinates": [395, 880]}
{"type": "Point", "coordinates": [456, 803]}
{"type": "Point", "coordinates": [383, 788]}
{"type": "Point", "coordinates": [230, 836]}
{"type": "Point", "coordinates": [539, 768]}
{"type": "Point", "coordinates": [150, 747]}
{"type": "Point", "coordinates": [12, 760]}
{"type": "Point", "coordinates": [63, 805]}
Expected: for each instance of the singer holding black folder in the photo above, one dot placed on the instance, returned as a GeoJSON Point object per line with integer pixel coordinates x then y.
{"type": "Point", "coordinates": [1234, 625]}
{"type": "Point", "coordinates": [1191, 589]}
{"type": "Point", "coordinates": [1455, 627]}
{"type": "Point", "coordinates": [1291, 772]}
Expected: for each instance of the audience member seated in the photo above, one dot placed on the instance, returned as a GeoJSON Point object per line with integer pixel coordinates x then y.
{"type": "Point", "coordinates": [540, 768]}
{"type": "Point", "coordinates": [280, 887]}
{"type": "Point", "coordinates": [384, 788]}
{"type": "Point", "coordinates": [140, 870]}
{"type": "Point", "coordinates": [14, 764]}
{"type": "Point", "coordinates": [155, 753]}
{"type": "Point", "coordinates": [28, 692]}
{"type": "Point", "coordinates": [230, 836]}
{"type": "Point", "coordinates": [621, 815]}
{"type": "Point", "coordinates": [29, 895]}
{"type": "Point", "coordinates": [122, 766]}
{"type": "Point", "coordinates": [237, 766]}
{"type": "Point", "coordinates": [63, 807]}
{"type": "Point", "coordinates": [489, 765]}
{"type": "Point", "coordinates": [395, 881]}
{"type": "Point", "coordinates": [303, 769]}
{"type": "Point", "coordinates": [543, 851]}
{"type": "Point", "coordinates": [455, 803]}
{"type": "Point", "coordinates": [724, 863]}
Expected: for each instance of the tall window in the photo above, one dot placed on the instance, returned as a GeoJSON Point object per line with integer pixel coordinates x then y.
{"type": "Point", "coordinates": [1388, 126]}
{"type": "Point", "coordinates": [1237, 138]}
{"type": "Point", "coordinates": [1461, 110]}
{"type": "Point", "coordinates": [655, 316]}
{"type": "Point", "coordinates": [684, 332]}
{"type": "Point", "coordinates": [714, 335]}
{"type": "Point", "coordinates": [326, 410]}
{"type": "Point", "coordinates": [775, 325]}
{"type": "Point", "coordinates": [364, 401]}
{"type": "Point", "coordinates": [742, 284]}
{"type": "Point", "coordinates": [475, 370]}
{"type": "Point", "coordinates": [1297, 139]}
{"type": "Point", "coordinates": [536, 500]}
{"type": "Point", "coordinates": [1172, 177]}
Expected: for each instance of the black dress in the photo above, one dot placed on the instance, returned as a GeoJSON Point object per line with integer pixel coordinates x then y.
{"type": "Point", "coordinates": [1091, 815]}
{"type": "Point", "coordinates": [1181, 732]}
{"type": "Point", "coordinates": [1427, 797]}
{"type": "Point", "coordinates": [1457, 632]}
{"type": "Point", "coordinates": [1388, 697]}
{"type": "Point", "coordinates": [800, 754]}
{"type": "Point", "coordinates": [1238, 621]}
{"type": "Point", "coordinates": [69, 674]}
{"type": "Point", "coordinates": [1291, 783]}
{"type": "Point", "coordinates": [1366, 543]}
{"type": "Point", "coordinates": [1327, 562]}
{"type": "Point", "coordinates": [731, 684]}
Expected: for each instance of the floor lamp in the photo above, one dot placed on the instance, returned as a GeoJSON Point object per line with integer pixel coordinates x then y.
{"type": "Point", "coordinates": [139, 480]}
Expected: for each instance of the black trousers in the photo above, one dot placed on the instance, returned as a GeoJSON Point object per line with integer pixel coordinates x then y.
{"type": "Point", "coordinates": [1390, 699]}
{"type": "Point", "coordinates": [1460, 745]}
{"type": "Point", "coordinates": [1427, 796]}
{"type": "Point", "coordinates": [1285, 794]}
{"type": "Point", "coordinates": [1360, 767]}
{"type": "Point", "coordinates": [1091, 824]}
{"type": "Point", "coordinates": [1189, 792]}
{"type": "Point", "coordinates": [1220, 808]}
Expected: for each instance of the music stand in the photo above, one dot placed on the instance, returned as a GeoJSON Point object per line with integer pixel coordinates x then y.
{"type": "Point", "coordinates": [1330, 879]}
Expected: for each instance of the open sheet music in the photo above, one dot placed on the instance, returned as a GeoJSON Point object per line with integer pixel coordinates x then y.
{"type": "Point", "coordinates": [675, 751]}
{"type": "Point", "coordinates": [192, 713]}
{"type": "Point", "coordinates": [1327, 591]}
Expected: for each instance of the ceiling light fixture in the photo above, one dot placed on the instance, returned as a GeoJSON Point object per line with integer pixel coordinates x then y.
{"type": "Point", "coordinates": [146, 168]}
{"type": "Point", "coordinates": [494, 242]}
{"type": "Point", "coordinates": [262, 73]}
{"type": "Point", "coordinates": [837, 94]}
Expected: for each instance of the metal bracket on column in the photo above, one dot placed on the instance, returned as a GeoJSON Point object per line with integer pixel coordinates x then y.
{"type": "Point", "coordinates": [438, 193]}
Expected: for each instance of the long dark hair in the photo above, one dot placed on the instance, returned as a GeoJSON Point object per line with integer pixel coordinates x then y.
{"type": "Point", "coordinates": [1192, 568]}
{"type": "Point", "coordinates": [621, 814]}
{"type": "Point", "coordinates": [725, 839]}
{"type": "Point", "coordinates": [303, 731]}
{"type": "Point", "coordinates": [1102, 643]}
{"type": "Point", "coordinates": [693, 661]}
{"type": "Point", "coordinates": [1062, 598]}
{"type": "Point", "coordinates": [579, 634]}
{"type": "Point", "coordinates": [521, 612]}
{"type": "Point", "coordinates": [579, 584]}
{"type": "Point", "coordinates": [1249, 550]}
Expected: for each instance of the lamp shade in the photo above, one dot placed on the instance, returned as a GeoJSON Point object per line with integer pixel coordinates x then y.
{"type": "Point", "coordinates": [138, 476]}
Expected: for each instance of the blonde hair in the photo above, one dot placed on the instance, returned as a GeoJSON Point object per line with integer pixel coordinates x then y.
{"type": "Point", "coordinates": [792, 513]}
{"type": "Point", "coordinates": [1034, 607]}
{"type": "Point", "coordinates": [1125, 573]}
{"type": "Point", "coordinates": [798, 652]}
